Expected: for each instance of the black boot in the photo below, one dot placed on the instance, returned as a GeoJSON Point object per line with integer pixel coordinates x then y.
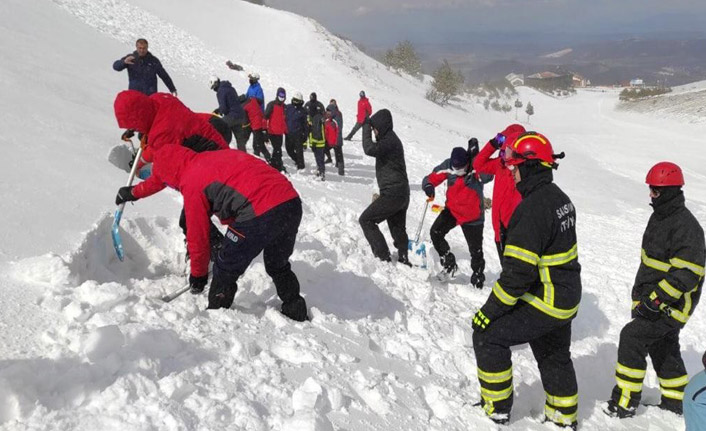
{"type": "Point", "coordinates": [477, 280]}
{"type": "Point", "coordinates": [295, 309]}
{"type": "Point", "coordinates": [612, 409]}
{"type": "Point", "coordinates": [404, 260]}
{"type": "Point", "coordinates": [448, 261]}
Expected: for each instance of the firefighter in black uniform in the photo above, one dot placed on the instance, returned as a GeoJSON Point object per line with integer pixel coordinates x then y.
{"type": "Point", "coordinates": [666, 290]}
{"type": "Point", "coordinates": [538, 292]}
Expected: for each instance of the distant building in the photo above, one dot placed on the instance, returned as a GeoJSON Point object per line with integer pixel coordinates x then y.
{"type": "Point", "coordinates": [515, 79]}
{"type": "Point", "coordinates": [550, 81]}
{"type": "Point", "coordinates": [580, 81]}
{"type": "Point", "coordinates": [637, 82]}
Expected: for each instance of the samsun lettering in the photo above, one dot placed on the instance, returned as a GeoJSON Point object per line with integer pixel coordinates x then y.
{"type": "Point", "coordinates": [566, 212]}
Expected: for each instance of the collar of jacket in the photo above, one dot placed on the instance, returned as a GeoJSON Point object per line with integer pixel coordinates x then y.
{"type": "Point", "coordinates": [535, 181]}
{"type": "Point", "coordinates": [669, 202]}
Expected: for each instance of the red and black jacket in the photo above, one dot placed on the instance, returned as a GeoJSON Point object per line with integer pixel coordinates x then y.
{"type": "Point", "coordinates": [229, 184]}
{"type": "Point", "coordinates": [331, 132]}
{"type": "Point", "coordinates": [276, 119]}
{"type": "Point", "coordinates": [254, 113]}
{"type": "Point", "coordinates": [464, 194]}
{"type": "Point", "coordinates": [364, 110]}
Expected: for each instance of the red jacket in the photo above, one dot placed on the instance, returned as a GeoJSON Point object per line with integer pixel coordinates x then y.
{"type": "Point", "coordinates": [254, 114]}
{"type": "Point", "coordinates": [505, 194]}
{"type": "Point", "coordinates": [364, 110]}
{"type": "Point", "coordinates": [230, 184]}
{"type": "Point", "coordinates": [464, 194]}
{"type": "Point", "coordinates": [165, 121]}
{"type": "Point", "coordinates": [276, 121]}
{"type": "Point", "coordinates": [331, 132]}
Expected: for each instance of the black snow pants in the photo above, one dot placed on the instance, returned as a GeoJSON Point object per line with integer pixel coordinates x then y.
{"type": "Point", "coordinates": [660, 340]}
{"type": "Point", "coordinates": [258, 145]}
{"type": "Point", "coordinates": [473, 234]}
{"type": "Point", "coordinates": [392, 209]}
{"type": "Point", "coordinates": [353, 131]}
{"type": "Point", "coordinates": [273, 232]}
{"type": "Point", "coordinates": [242, 134]}
{"type": "Point", "coordinates": [550, 341]}
{"type": "Point", "coordinates": [276, 141]}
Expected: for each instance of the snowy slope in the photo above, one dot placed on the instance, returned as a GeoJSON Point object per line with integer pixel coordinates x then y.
{"type": "Point", "coordinates": [685, 102]}
{"type": "Point", "coordinates": [86, 342]}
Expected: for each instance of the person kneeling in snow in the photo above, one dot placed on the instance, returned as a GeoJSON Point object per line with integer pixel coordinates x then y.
{"type": "Point", "coordinates": [259, 205]}
{"type": "Point", "coordinates": [464, 207]}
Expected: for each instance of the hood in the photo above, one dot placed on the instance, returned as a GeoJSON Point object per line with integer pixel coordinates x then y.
{"type": "Point", "coordinates": [170, 162]}
{"type": "Point", "coordinates": [382, 121]}
{"type": "Point", "coordinates": [333, 108]}
{"type": "Point", "coordinates": [225, 84]}
{"type": "Point", "coordinates": [134, 111]}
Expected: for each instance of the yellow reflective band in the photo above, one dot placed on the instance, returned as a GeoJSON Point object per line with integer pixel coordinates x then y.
{"type": "Point", "coordinates": [521, 254]}
{"type": "Point", "coordinates": [557, 313]}
{"type": "Point", "coordinates": [558, 417]}
{"type": "Point", "coordinates": [634, 373]}
{"type": "Point", "coordinates": [624, 401]}
{"type": "Point", "coordinates": [675, 382]}
{"type": "Point", "coordinates": [635, 304]}
{"type": "Point", "coordinates": [630, 386]}
{"type": "Point", "coordinates": [570, 401]}
{"type": "Point", "coordinates": [675, 395]}
{"type": "Point", "coordinates": [682, 264]}
{"type": "Point", "coordinates": [561, 258]}
{"type": "Point", "coordinates": [502, 376]}
{"type": "Point", "coordinates": [546, 280]}
{"type": "Point", "coordinates": [671, 291]}
{"type": "Point", "coordinates": [679, 316]}
{"type": "Point", "coordinates": [654, 263]}
{"type": "Point", "coordinates": [503, 296]}
{"type": "Point", "coordinates": [489, 395]}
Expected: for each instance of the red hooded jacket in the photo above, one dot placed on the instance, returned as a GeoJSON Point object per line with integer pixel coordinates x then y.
{"type": "Point", "coordinates": [276, 120]}
{"type": "Point", "coordinates": [230, 184]}
{"type": "Point", "coordinates": [254, 113]}
{"type": "Point", "coordinates": [165, 121]}
{"type": "Point", "coordinates": [364, 110]}
{"type": "Point", "coordinates": [505, 194]}
{"type": "Point", "coordinates": [331, 132]}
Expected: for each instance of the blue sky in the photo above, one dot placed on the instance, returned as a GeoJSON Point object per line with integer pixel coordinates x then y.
{"type": "Point", "coordinates": [387, 21]}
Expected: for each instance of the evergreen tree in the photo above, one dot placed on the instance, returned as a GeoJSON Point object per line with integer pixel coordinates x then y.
{"type": "Point", "coordinates": [447, 84]}
{"type": "Point", "coordinates": [404, 57]}
{"type": "Point", "coordinates": [529, 111]}
{"type": "Point", "coordinates": [518, 105]}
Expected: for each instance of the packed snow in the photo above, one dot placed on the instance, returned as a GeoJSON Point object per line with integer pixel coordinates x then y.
{"type": "Point", "coordinates": [87, 343]}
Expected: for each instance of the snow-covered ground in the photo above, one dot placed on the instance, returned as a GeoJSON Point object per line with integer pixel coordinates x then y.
{"type": "Point", "coordinates": [686, 103]}
{"type": "Point", "coordinates": [85, 341]}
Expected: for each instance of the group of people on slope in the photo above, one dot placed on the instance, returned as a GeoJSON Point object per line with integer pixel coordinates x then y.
{"type": "Point", "coordinates": [539, 289]}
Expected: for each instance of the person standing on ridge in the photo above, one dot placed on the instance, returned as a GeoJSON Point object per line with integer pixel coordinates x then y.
{"type": "Point", "coordinates": [364, 112]}
{"type": "Point", "coordinates": [538, 293]}
{"type": "Point", "coordinates": [277, 127]}
{"type": "Point", "coordinates": [505, 194]}
{"type": "Point", "coordinates": [391, 174]}
{"type": "Point", "coordinates": [463, 207]}
{"type": "Point", "coordinates": [255, 90]}
{"type": "Point", "coordinates": [666, 291]}
{"type": "Point", "coordinates": [143, 68]}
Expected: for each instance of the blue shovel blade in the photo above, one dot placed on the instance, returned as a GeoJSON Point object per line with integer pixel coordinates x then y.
{"type": "Point", "coordinates": [115, 233]}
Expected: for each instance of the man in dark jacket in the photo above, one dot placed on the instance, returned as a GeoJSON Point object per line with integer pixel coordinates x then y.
{"type": "Point", "coordinates": [260, 207]}
{"type": "Point", "coordinates": [391, 173]}
{"type": "Point", "coordinates": [338, 148]}
{"type": "Point", "coordinates": [296, 130]}
{"type": "Point", "coordinates": [538, 292]}
{"type": "Point", "coordinates": [277, 127]}
{"type": "Point", "coordinates": [229, 108]}
{"type": "Point", "coordinates": [143, 69]}
{"type": "Point", "coordinates": [666, 291]}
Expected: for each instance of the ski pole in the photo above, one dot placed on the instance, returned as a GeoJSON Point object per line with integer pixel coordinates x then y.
{"type": "Point", "coordinates": [115, 231]}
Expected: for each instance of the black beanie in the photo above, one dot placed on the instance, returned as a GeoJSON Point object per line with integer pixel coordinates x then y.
{"type": "Point", "coordinates": [459, 157]}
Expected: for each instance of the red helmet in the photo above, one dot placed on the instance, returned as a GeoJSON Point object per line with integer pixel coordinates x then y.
{"type": "Point", "coordinates": [530, 146]}
{"type": "Point", "coordinates": [665, 174]}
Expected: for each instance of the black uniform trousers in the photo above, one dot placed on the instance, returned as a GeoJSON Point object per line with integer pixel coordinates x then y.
{"type": "Point", "coordinates": [294, 145]}
{"type": "Point", "coordinates": [276, 161]}
{"type": "Point", "coordinates": [660, 340]}
{"type": "Point", "coordinates": [392, 209]}
{"type": "Point", "coordinates": [273, 232]}
{"type": "Point", "coordinates": [550, 341]}
{"type": "Point", "coordinates": [473, 234]}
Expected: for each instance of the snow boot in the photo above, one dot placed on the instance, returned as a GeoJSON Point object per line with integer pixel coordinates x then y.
{"type": "Point", "coordinates": [498, 418]}
{"type": "Point", "coordinates": [295, 309]}
{"type": "Point", "coordinates": [404, 260]}
{"type": "Point", "coordinates": [477, 280]}
{"type": "Point", "coordinates": [448, 261]}
{"type": "Point", "coordinates": [612, 409]}
{"type": "Point", "coordinates": [671, 406]}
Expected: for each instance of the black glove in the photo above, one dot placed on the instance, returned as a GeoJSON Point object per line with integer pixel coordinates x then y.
{"type": "Point", "coordinates": [124, 195]}
{"type": "Point", "coordinates": [127, 135]}
{"type": "Point", "coordinates": [473, 148]}
{"type": "Point", "coordinates": [498, 141]}
{"type": "Point", "coordinates": [429, 190]}
{"type": "Point", "coordinates": [649, 309]}
{"type": "Point", "coordinates": [197, 284]}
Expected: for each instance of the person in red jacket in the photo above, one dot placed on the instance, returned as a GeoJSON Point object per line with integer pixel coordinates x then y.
{"type": "Point", "coordinates": [505, 194]}
{"type": "Point", "coordinates": [464, 207]}
{"type": "Point", "coordinates": [365, 110]}
{"type": "Point", "coordinates": [255, 123]}
{"type": "Point", "coordinates": [165, 121]}
{"type": "Point", "coordinates": [330, 129]}
{"type": "Point", "coordinates": [277, 127]}
{"type": "Point", "coordinates": [259, 205]}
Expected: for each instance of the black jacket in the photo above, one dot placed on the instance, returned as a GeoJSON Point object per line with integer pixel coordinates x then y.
{"type": "Point", "coordinates": [673, 258]}
{"type": "Point", "coordinates": [540, 261]}
{"type": "Point", "coordinates": [142, 74]}
{"type": "Point", "coordinates": [390, 167]}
